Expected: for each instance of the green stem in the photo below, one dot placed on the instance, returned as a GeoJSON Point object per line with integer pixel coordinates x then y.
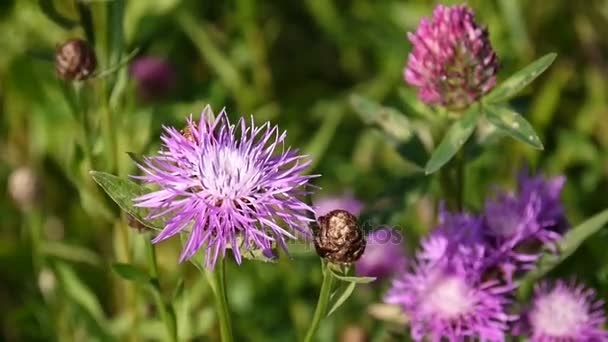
{"type": "Point", "coordinates": [217, 281]}
{"type": "Point", "coordinates": [460, 179]}
{"type": "Point", "coordinates": [322, 303]}
{"type": "Point", "coordinates": [165, 311]}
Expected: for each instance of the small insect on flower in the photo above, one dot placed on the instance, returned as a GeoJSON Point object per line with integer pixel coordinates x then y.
{"type": "Point", "coordinates": [564, 312]}
{"type": "Point", "coordinates": [227, 186]}
{"type": "Point", "coordinates": [452, 62]}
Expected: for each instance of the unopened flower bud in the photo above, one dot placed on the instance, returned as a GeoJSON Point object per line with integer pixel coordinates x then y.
{"type": "Point", "coordinates": [338, 238]}
{"type": "Point", "coordinates": [24, 187]}
{"type": "Point", "coordinates": [75, 60]}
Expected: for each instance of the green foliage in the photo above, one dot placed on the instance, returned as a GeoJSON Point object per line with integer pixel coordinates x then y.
{"type": "Point", "coordinates": [330, 73]}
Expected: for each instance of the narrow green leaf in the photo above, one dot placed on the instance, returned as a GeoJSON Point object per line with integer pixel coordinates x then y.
{"type": "Point", "coordinates": [131, 272]}
{"type": "Point", "coordinates": [518, 81]}
{"type": "Point", "coordinates": [513, 124]}
{"type": "Point", "coordinates": [390, 120]}
{"type": "Point", "coordinates": [394, 125]}
{"type": "Point", "coordinates": [453, 140]}
{"type": "Point", "coordinates": [48, 8]}
{"type": "Point", "coordinates": [122, 191]}
{"type": "Point", "coordinates": [79, 292]}
{"type": "Point", "coordinates": [66, 251]}
{"type": "Point", "coordinates": [570, 243]}
{"type": "Point", "coordinates": [350, 279]}
{"type": "Point", "coordinates": [347, 292]}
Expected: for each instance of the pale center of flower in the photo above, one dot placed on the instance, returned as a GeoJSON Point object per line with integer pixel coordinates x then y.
{"type": "Point", "coordinates": [449, 297]}
{"type": "Point", "coordinates": [558, 314]}
{"type": "Point", "coordinates": [228, 174]}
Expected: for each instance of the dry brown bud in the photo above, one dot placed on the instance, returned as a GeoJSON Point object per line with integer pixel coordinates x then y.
{"type": "Point", "coordinates": [75, 60]}
{"type": "Point", "coordinates": [338, 238]}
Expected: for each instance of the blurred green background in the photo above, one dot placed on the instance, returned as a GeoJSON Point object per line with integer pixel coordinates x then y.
{"type": "Point", "coordinates": [295, 63]}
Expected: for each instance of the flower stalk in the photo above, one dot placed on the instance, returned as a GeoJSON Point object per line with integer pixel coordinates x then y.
{"type": "Point", "coordinates": [217, 281]}
{"type": "Point", "coordinates": [322, 303]}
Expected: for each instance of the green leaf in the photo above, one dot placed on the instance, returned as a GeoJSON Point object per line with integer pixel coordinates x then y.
{"type": "Point", "coordinates": [394, 125]}
{"type": "Point", "coordinates": [453, 140]}
{"type": "Point", "coordinates": [132, 273]}
{"type": "Point", "coordinates": [513, 124]}
{"type": "Point", "coordinates": [122, 191]}
{"type": "Point", "coordinates": [347, 292]}
{"type": "Point", "coordinates": [76, 290]}
{"type": "Point", "coordinates": [390, 120]}
{"type": "Point", "coordinates": [570, 243]}
{"type": "Point", "coordinates": [514, 84]}
{"type": "Point", "coordinates": [350, 279]}
{"type": "Point", "coordinates": [48, 8]}
{"type": "Point", "coordinates": [66, 251]}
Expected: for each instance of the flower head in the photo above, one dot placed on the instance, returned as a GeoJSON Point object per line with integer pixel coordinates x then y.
{"type": "Point", "coordinates": [384, 254]}
{"type": "Point", "coordinates": [347, 202]}
{"type": "Point", "coordinates": [564, 312]}
{"type": "Point", "coordinates": [518, 225]}
{"type": "Point", "coordinates": [155, 77]}
{"type": "Point", "coordinates": [446, 293]}
{"type": "Point", "coordinates": [452, 61]}
{"type": "Point", "coordinates": [227, 185]}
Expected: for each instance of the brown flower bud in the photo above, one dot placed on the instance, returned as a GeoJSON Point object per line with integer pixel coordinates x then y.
{"type": "Point", "coordinates": [338, 238]}
{"type": "Point", "coordinates": [75, 60]}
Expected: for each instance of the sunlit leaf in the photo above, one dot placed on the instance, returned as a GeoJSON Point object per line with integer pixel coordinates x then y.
{"type": "Point", "coordinates": [346, 292]}
{"type": "Point", "coordinates": [518, 81]}
{"type": "Point", "coordinates": [513, 124]}
{"type": "Point", "coordinates": [122, 191]}
{"type": "Point", "coordinates": [453, 140]}
{"type": "Point", "coordinates": [395, 126]}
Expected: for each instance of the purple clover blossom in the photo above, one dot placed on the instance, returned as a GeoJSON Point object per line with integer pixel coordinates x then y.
{"type": "Point", "coordinates": [346, 202]}
{"type": "Point", "coordinates": [452, 62]}
{"type": "Point", "coordinates": [518, 225]}
{"type": "Point", "coordinates": [155, 77]}
{"type": "Point", "coordinates": [384, 254]}
{"type": "Point", "coordinates": [564, 312]}
{"type": "Point", "coordinates": [445, 293]}
{"type": "Point", "coordinates": [227, 185]}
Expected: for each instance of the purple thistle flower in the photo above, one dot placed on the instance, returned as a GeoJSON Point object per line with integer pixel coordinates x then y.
{"type": "Point", "coordinates": [446, 293]}
{"type": "Point", "coordinates": [564, 312]}
{"type": "Point", "coordinates": [518, 225]}
{"type": "Point", "coordinates": [346, 202]}
{"type": "Point", "coordinates": [155, 77]}
{"type": "Point", "coordinates": [227, 185]}
{"type": "Point", "coordinates": [452, 61]}
{"type": "Point", "coordinates": [384, 254]}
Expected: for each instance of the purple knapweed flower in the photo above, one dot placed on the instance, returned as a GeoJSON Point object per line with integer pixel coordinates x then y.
{"type": "Point", "coordinates": [563, 312]}
{"type": "Point", "coordinates": [384, 254]}
{"type": "Point", "coordinates": [154, 76]}
{"type": "Point", "coordinates": [347, 201]}
{"type": "Point", "coordinates": [446, 293]}
{"type": "Point", "coordinates": [452, 62]}
{"type": "Point", "coordinates": [227, 185]}
{"type": "Point", "coordinates": [518, 225]}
